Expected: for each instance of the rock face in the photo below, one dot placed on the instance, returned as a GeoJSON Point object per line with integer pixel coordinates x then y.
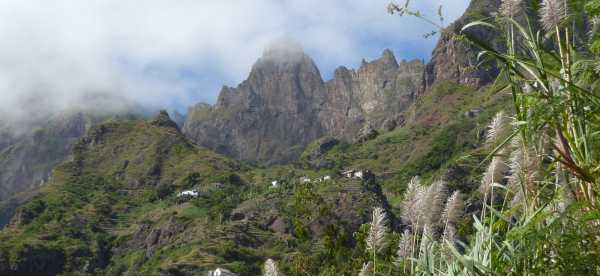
{"type": "Point", "coordinates": [375, 92]}
{"type": "Point", "coordinates": [27, 159]}
{"type": "Point", "coordinates": [268, 117]}
{"type": "Point", "coordinates": [454, 60]}
{"type": "Point", "coordinates": [285, 104]}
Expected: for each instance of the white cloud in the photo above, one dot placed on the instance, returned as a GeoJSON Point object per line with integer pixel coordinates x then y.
{"type": "Point", "coordinates": [171, 53]}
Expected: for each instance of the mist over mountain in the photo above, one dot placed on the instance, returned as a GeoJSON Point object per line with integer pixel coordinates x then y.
{"type": "Point", "coordinates": [106, 54]}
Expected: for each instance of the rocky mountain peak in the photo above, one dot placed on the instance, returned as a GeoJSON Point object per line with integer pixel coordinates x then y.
{"type": "Point", "coordinates": [162, 119]}
{"type": "Point", "coordinates": [454, 59]}
{"type": "Point", "coordinates": [388, 58]}
{"type": "Point", "coordinates": [387, 62]}
{"type": "Point", "coordinates": [284, 57]}
{"type": "Point", "coordinates": [285, 104]}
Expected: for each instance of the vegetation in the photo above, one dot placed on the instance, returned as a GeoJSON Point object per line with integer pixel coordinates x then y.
{"type": "Point", "coordinates": [503, 180]}
{"type": "Point", "coordinates": [539, 193]}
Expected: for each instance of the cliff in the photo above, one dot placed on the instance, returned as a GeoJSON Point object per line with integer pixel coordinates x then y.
{"type": "Point", "coordinates": [285, 104]}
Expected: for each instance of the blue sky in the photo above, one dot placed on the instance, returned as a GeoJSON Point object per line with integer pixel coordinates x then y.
{"type": "Point", "coordinates": [172, 54]}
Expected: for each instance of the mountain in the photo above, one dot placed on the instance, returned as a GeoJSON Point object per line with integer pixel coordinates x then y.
{"type": "Point", "coordinates": [112, 203]}
{"type": "Point", "coordinates": [114, 209]}
{"type": "Point", "coordinates": [269, 116]}
{"type": "Point", "coordinates": [456, 60]}
{"type": "Point", "coordinates": [28, 157]}
{"type": "Point", "coordinates": [285, 104]}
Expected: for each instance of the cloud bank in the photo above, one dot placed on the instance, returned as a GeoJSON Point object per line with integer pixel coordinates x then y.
{"type": "Point", "coordinates": [171, 54]}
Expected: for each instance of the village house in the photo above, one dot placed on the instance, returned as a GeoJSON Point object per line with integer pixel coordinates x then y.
{"type": "Point", "coordinates": [220, 272]}
{"type": "Point", "coordinates": [305, 179]}
{"type": "Point", "coordinates": [358, 174]}
{"type": "Point", "coordinates": [187, 195]}
{"type": "Point", "coordinates": [323, 178]}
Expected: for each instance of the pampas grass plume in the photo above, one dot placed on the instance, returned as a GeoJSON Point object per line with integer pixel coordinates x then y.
{"type": "Point", "coordinates": [552, 13]}
{"type": "Point", "coordinates": [376, 238]}
{"type": "Point", "coordinates": [510, 8]}
{"type": "Point", "coordinates": [495, 128]}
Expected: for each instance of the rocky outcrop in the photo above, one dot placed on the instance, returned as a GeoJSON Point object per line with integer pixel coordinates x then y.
{"type": "Point", "coordinates": [162, 119]}
{"type": "Point", "coordinates": [267, 118]}
{"type": "Point", "coordinates": [377, 91]}
{"type": "Point", "coordinates": [454, 59]}
{"type": "Point", "coordinates": [285, 104]}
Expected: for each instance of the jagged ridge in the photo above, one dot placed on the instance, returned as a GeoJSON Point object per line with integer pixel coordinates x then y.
{"type": "Point", "coordinates": [285, 104]}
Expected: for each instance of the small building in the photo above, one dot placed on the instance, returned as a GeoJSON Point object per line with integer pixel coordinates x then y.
{"type": "Point", "coordinates": [348, 173]}
{"type": "Point", "coordinates": [274, 183]}
{"type": "Point", "coordinates": [305, 179]}
{"type": "Point", "coordinates": [220, 272]}
{"type": "Point", "coordinates": [323, 178]}
{"type": "Point", "coordinates": [358, 174]}
{"type": "Point", "coordinates": [189, 193]}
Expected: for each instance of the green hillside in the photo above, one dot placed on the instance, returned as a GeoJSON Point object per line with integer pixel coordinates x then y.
{"type": "Point", "coordinates": [114, 208]}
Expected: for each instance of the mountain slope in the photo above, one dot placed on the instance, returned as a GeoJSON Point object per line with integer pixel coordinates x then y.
{"type": "Point", "coordinates": [284, 105]}
{"type": "Point", "coordinates": [114, 209]}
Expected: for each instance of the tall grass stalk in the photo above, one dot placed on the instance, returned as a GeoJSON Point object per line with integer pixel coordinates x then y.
{"type": "Point", "coordinates": [377, 233]}
{"type": "Point", "coordinates": [554, 159]}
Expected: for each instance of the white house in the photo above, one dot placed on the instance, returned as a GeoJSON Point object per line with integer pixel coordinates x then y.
{"type": "Point", "coordinates": [359, 174]}
{"type": "Point", "coordinates": [220, 272]}
{"type": "Point", "coordinates": [275, 184]}
{"type": "Point", "coordinates": [348, 173]}
{"type": "Point", "coordinates": [188, 193]}
{"type": "Point", "coordinates": [323, 178]}
{"type": "Point", "coordinates": [305, 179]}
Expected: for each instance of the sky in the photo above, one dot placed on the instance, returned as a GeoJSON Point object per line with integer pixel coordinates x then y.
{"type": "Point", "coordinates": [174, 53]}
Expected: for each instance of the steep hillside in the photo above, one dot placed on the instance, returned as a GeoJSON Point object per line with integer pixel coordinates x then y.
{"type": "Point", "coordinates": [114, 210]}
{"type": "Point", "coordinates": [115, 207]}
{"type": "Point", "coordinates": [284, 105]}
{"type": "Point", "coordinates": [435, 142]}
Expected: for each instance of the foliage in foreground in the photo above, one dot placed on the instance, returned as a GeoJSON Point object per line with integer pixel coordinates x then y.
{"type": "Point", "coordinates": [539, 210]}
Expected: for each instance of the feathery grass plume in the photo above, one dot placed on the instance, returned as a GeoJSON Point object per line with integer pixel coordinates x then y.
{"type": "Point", "coordinates": [410, 206]}
{"type": "Point", "coordinates": [495, 128]}
{"type": "Point", "coordinates": [271, 268]}
{"type": "Point", "coordinates": [492, 175]}
{"type": "Point", "coordinates": [366, 270]}
{"type": "Point", "coordinates": [552, 13]}
{"type": "Point", "coordinates": [515, 162]}
{"type": "Point", "coordinates": [405, 248]}
{"type": "Point", "coordinates": [376, 238]}
{"type": "Point", "coordinates": [454, 210]}
{"type": "Point", "coordinates": [433, 203]}
{"type": "Point", "coordinates": [510, 8]}
{"type": "Point", "coordinates": [523, 170]}
{"type": "Point", "coordinates": [449, 234]}
{"type": "Point", "coordinates": [516, 165]}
